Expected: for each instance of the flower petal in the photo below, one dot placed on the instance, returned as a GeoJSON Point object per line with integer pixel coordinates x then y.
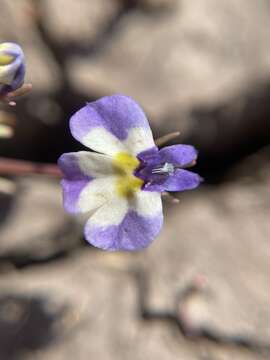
{"type": "Point", "coordinates": [181, 155]}
{"type": "Point", "coordinates": [120, 225]}
{"type": "Point", "coordinates": [112, 124]}
{"type": "Point", "coordinates": [89, 195]}
{"type": "Point", "coordinates": [181, 180]}
{"type": "Point", "coordinates": [71, 194]}
{"type": "Point", "coordinates": [88, 181]}
{"type": "Point", "coordinates": [146, 203]}
{"type": "Point", "coordinates": [84, 163]}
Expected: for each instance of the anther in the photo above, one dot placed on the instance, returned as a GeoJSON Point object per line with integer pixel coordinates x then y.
{"type": "Point", "coordinates": [166, 168]}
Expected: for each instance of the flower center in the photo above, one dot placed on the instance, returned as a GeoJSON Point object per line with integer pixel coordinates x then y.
{"type": "Point", "coordinates": [127, 183]}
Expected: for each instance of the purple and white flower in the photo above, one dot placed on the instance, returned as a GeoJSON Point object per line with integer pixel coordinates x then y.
{"type": "Point", "coordinates": [12, 68]}
{"type": "Point", "coordinates": [120, 184]}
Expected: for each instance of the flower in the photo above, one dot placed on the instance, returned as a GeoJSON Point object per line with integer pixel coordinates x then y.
{"type": "Point", "coordinates": [12, 68]}
{"type": "Point", "coordinates": [121, 183]}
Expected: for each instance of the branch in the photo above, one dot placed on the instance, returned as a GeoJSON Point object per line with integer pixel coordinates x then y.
{"type": "Point", "coordinates": [22, 167]}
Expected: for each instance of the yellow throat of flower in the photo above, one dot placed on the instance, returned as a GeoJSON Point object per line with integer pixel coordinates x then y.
{"type": "Point", "coordinates": [127, 183]}
{"type": "Point", "coordinates": [6, 59]}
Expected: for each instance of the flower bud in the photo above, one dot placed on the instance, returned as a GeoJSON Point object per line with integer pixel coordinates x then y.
{"type": "Point", "coordinates": [12, 67]}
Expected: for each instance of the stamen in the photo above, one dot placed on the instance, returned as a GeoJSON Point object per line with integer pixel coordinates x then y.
{"type": "Point", "coordinates": [166, 168]}
{"type": "Point", "coordinates": [164, 139]}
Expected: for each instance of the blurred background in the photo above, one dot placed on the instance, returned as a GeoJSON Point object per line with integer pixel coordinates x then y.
{"type": "Point", "coordinates": [201, 290]}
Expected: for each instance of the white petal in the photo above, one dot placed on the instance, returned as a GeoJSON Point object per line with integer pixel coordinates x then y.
{"type": "Point", "coordinates": [111, 213]}
{"type": "Point", "coordinates": [139, 139]}
{"type": "Point", "coordinates": [147, 203]}
{"type": "Point", "coordinates": [94, 164]}
{"type": "Point", "coordinates": [96, 193]}
{"type": "Point", "coordinates": [103, 141]}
